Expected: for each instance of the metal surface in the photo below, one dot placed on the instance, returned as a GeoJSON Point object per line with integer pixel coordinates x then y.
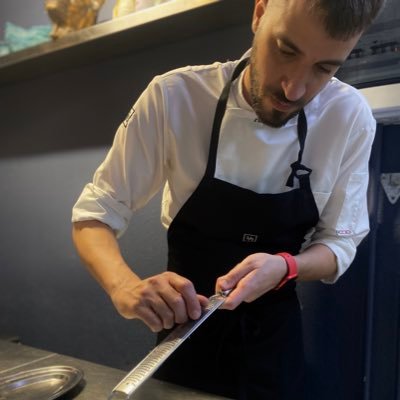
{"type": "Point", "coordinates": [160, 353]}
{"type": "Point", "coordinates": [98, 380]}
{"type": "Point", "coordinates": [39, 384]}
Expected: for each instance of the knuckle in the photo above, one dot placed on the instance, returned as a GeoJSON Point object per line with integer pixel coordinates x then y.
{"type": "Point", "coordinates": [186, 287]}
{"type": "Point", "coordinates": [147, 295]}
{"type": "Point", "coordinates": [168, 315]}
{"type": "Point", "coordinates": [181, 319]}
{"type": "Point", "coordinates": [168, 275]}
{"type": "Point", "coordinates": [176, 302]}
{"type": "Point", "coordinates": [152, 281]}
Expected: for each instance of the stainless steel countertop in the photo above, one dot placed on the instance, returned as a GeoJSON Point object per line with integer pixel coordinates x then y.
{"type": "Point", "coordinates": [98, 380]}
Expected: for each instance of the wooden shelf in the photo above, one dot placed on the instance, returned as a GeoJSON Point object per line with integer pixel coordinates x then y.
{"type": "Point", "coordinates": [154, 26]}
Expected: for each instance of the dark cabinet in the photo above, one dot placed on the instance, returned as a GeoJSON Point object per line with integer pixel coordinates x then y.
{"type": "Point", "coordinates": [352, 329]}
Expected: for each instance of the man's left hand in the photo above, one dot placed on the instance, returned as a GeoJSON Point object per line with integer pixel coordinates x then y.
{"type": "Point", "coordinates": [256, 275]}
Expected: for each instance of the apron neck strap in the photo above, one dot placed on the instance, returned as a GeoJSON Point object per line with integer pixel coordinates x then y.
{"type": "Point", "coordinates": [300, 171]}
{"type": "Point", "coordinates": [218, 117]}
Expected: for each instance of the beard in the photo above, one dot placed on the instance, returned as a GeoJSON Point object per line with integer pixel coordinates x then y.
{"type": "Point", "coordinates": [273, 118]}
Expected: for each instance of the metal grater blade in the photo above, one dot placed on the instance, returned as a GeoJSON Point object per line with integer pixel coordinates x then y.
{"type": "Point", "coordinates": [160, 353]}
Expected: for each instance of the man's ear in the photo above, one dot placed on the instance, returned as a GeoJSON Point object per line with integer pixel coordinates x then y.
{"type": "Point", "coordinates": [259, 9]}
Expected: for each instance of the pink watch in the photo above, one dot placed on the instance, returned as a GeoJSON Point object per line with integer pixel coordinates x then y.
{"type": "Point", "coordinates": [291, 269]}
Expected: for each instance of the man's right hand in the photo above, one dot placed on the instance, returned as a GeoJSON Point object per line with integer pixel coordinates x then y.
{"type": "Point", "coordinates": [159, 301]}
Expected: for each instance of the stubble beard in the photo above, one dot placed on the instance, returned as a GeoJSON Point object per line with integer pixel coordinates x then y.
{"type": "Point", "coordinates": [273, 118]}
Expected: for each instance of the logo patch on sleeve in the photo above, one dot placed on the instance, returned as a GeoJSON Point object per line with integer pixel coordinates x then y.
{"type": "Point", "coordinates": [344, 232]}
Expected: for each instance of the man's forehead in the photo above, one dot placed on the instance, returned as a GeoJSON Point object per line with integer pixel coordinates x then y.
{"type": "Point", "coordinates": [300, 7]}
{"type": "Point", "coordinates": [301, 29]}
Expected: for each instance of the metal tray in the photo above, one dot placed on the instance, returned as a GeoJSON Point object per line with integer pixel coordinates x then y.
{"type": "Point", "coordinates": [39, 384]}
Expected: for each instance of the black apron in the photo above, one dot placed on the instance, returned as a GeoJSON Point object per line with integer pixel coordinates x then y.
{"type": "Point", "coordinates": [256, 351]}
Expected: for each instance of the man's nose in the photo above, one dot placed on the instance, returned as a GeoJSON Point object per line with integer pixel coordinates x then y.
{"type": "Point", "coordinates": [294, 86]}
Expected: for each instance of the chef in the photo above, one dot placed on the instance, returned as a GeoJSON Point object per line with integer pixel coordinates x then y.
{"type": "Point", "coordinates": [264, 168]}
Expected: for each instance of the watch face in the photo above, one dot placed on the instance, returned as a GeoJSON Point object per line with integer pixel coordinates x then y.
{"type": "Point", "coordinates": [376, 58]}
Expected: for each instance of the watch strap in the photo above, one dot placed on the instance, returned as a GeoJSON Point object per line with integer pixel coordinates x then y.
{"type": "Point", "coordinates": [291, 269]}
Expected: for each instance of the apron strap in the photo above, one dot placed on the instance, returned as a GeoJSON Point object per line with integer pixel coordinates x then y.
{"type": "Point", "coordinates": [300, 171]}
{"type": "Point", "coordinates": [219, 115]}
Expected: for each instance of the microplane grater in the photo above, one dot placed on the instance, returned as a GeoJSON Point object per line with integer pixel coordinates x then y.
{"type": "Point", "coordinates": [162, 351]}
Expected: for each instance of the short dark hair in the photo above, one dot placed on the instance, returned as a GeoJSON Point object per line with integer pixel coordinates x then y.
{"type": "Point", "coordinates": [344, 19]}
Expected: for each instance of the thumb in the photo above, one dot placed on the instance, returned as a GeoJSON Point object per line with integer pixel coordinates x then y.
{"type": "Point", "coordinates": [231, 279]}
{"type": "Point", "coordinates": [223, 284]}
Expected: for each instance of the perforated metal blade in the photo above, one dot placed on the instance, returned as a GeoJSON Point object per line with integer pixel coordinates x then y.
{"type": "Point", "coordinates": [162, 351]}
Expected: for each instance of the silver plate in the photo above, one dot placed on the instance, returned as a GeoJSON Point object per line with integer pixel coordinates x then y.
{"type": "Point", "coordinates": [39, 384]}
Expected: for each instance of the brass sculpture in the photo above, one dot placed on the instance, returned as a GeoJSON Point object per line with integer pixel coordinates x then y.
{"type": "Point", "coordinates": [125, 7]}
{"type": "Point", "coordinates": [71, 15]}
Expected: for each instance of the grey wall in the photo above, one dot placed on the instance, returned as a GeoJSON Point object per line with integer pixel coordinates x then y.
{"type": "Point", "coordinates": [54, 132]}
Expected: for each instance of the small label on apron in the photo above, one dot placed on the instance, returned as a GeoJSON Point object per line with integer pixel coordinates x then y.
{"type": "Point", "coordinates": [247, 237]}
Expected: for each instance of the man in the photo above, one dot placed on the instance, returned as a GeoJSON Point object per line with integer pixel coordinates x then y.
{"type": "Point", "coordinates": [265, 166]}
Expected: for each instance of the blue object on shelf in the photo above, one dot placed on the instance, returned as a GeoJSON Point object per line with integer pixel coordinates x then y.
{"type": "Point", "coordinates": [18, 38]}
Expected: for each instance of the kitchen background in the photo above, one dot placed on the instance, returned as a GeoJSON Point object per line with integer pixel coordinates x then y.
{"type": "Point", "coordinates": [56, 128]}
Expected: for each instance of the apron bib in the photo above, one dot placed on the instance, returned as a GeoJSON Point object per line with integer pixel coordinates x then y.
{"type": "Point", "coordinates": [255, 351]}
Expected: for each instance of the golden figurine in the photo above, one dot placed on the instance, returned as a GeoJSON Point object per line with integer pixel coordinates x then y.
{"type": "Point", "coordinates": [71, 15]}
{"type": "Point", "coordinates": [125, 7]}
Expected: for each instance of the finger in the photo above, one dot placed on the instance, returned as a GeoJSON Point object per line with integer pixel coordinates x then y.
{"type": "Point", "coordinates": [243, 291]}
{"type": "Point", "coordinates": [232, 278]}
{"type": "Point", "coordinates": [162, 309]}
{"type": "Point", "coordinates": [189, 296]}
{"type": "Point", "coordinates": [203, 301]}
{"type": "Point", "coordinates": [177, 304]}
{"type": "Point", "coordinates": [171, 291]}
{"type": "Point", "coordinates": [168, 302]}
{"type": "Point", "coordinates": [233, 300]}
{"type": "Point", "coordinates": [151, 319]}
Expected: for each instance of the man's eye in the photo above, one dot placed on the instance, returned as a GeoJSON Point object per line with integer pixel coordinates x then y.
{"type": "Point", "coordinates": [325, 70]}
{"type": "Point", "coordinates": [286, 52]}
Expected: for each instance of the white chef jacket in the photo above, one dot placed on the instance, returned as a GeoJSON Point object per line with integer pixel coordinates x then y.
{"type": "Point", "coordinates": [164, 142]}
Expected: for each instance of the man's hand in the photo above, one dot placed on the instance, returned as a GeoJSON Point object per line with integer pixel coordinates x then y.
{"type": "Point", "coordinates": [255, 275]}
{"type": "Point", "coordinates": [159, 301]}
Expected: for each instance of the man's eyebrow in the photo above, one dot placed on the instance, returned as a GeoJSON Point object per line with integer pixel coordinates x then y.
{"type": "Point", "coordinates": [288, 43]}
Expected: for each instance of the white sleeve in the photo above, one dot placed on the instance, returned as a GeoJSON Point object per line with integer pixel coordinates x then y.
{"type": "Point", "coordinates": [133, 170]}
{"type": "Point", "coordinates": [344, 221]}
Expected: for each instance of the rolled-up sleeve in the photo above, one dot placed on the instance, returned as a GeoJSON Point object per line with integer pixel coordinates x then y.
{"type": "Point", "coordinates": [133, 170]}
{"type": "Point", "coordinates": [96, 204]}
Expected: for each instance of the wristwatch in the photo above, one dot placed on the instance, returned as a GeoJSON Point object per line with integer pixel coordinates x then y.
{"type": "Point", "coordinates": [291, 269]}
